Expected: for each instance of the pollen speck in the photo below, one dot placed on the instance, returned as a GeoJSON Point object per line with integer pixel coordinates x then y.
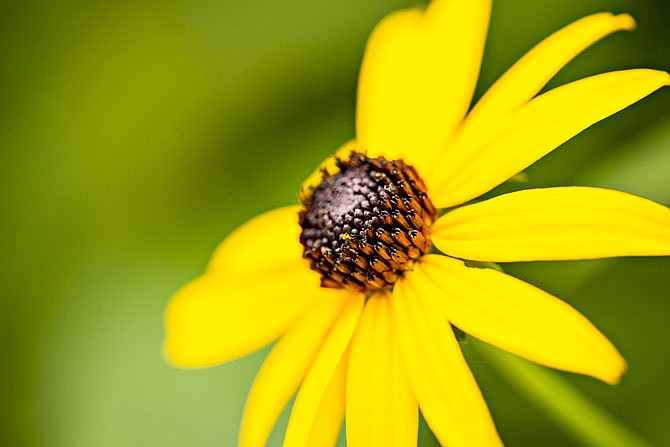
{"type": "Point", "coordinates": [367, 223]}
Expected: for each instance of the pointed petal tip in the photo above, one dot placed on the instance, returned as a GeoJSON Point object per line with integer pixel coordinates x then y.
{"type": "Point", "coordinates": [661, 77]}
{"type": "Point", "coordinates": [613, 376]}
{"type": "Point", "coordinates": [667, 79]}
{"type": "Point", "coordinates": [608, 366]}
{"type": "Point", "coordinates": [626, 22]}
{"type": "Point", "coordinates": [657, 78]}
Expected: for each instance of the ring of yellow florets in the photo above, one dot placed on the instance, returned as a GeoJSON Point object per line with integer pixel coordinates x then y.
{"type": "Point", "coordinates": [367, 223]}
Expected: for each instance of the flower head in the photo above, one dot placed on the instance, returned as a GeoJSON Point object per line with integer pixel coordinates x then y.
{"type": "Point", "coordinates": [363, 280]}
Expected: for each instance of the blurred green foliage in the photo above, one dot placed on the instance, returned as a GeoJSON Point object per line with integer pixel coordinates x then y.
{"type": "Point", "coordinates": [135, 135]}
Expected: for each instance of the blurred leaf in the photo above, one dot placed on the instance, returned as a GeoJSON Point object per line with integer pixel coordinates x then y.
{"type": "Point", "coordinates": [567, 406]}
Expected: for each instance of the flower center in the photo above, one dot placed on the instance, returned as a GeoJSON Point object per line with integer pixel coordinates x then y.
{"type": "Point", "coordinates": [367, 223]}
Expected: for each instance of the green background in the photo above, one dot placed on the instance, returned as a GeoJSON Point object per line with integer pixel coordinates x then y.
{"type": "Point", "coordinates": [135, 135]}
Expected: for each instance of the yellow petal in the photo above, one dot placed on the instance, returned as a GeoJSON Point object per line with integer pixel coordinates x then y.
{"type": "Point", "coordinates": [267, 243]}
{"type": "Point", "coordinates": [529, 74]}
{"type": "Point", "coordinates": [216, 318]}
{"type": "Point", "coordinates": [448, 395]}
{"type": "Point", "coordinates": [386, 84]}
{"type": "Point", "coordinates": [306, 406]}
{"type": "Point", "coordinates": [472, 167]}
{"type": "Point", "coordinates": [328, 420]}
{"type": "Point", "coordinates": [417, 78]}
{"type": "Point", "coordinates": [257, 284]}
{"type": "Point", "coordinates": [555, 224]}
{"type": "Point", "coordinates": [518, 317]}
{"type": "Point", "coordinates": [381, 409]}
{"type": "Point", "coordinates": [284, 369]}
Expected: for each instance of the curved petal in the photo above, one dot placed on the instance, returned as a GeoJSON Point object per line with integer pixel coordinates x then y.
{"type": "Point", "coordinates": [328, 420]}
{"type": "Point", "coordinates": [216, 318]}
{"type": "Point", "coordinates": [555, 224]}
{"type": "Point", "coordinates": [381, 409]}
{"type": "Point", "coordinates": [515, 316]}
{"type": "Point", "coordinates": [306, 406]}
{"type": "Point", "coordinates": [417, 78]}
{"type": "Point", "coordinates": [529, 74]}
{"type": "Point", "coordinates": [448, 395]}
{"type": "Point", "coordinates": [472, 167]}
{"type": "Point", "coordinates": [256, 285]}
{"type": "Point", "coordinates": [284, 369]}
{"type": "Point", "coordinates": [268, 243]}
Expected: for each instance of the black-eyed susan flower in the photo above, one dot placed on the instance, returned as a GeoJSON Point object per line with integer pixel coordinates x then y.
{"type": "Point", "coordinates": [351, 280]}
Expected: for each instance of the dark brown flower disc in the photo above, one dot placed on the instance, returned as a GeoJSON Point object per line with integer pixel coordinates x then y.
{"type": "Point", "coordinates": [367, 223]}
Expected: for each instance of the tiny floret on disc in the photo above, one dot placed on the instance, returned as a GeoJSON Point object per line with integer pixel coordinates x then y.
{"type": "Point", "coordinates": [365, 224]}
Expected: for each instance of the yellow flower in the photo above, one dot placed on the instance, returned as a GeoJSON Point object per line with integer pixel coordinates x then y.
{"type": "Point", "coordinates": [366, 331]}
